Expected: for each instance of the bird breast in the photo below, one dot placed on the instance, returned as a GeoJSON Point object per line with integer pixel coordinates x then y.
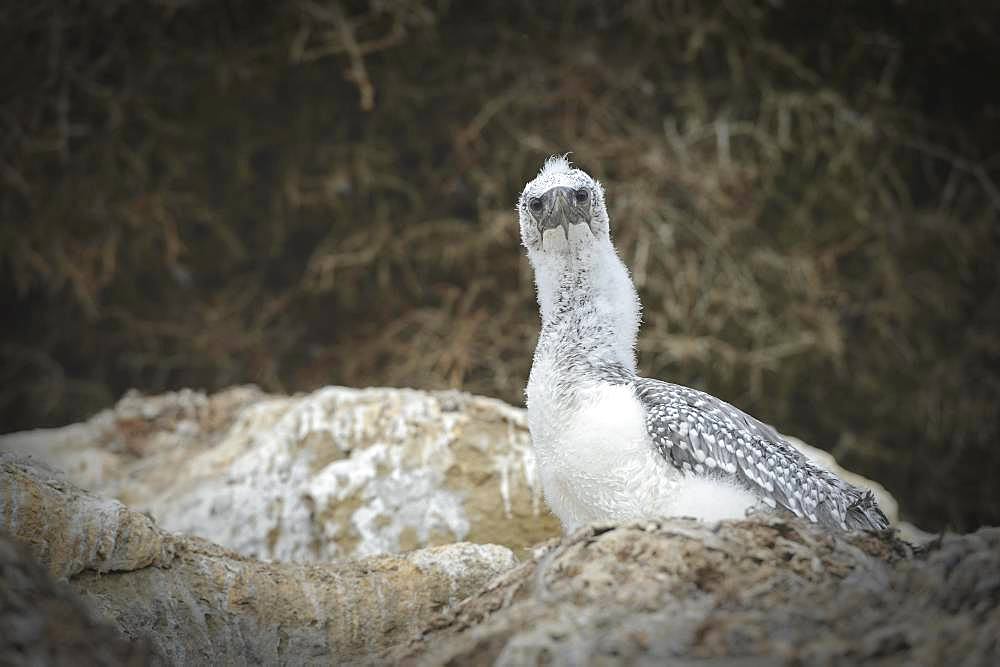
{"type": "Point", "coordinates": [595, 460]}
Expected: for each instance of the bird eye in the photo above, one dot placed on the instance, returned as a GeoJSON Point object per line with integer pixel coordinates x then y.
{"type": "Point", "coordinates": [582, 195]}
{"type": "Point", "coordinates": [535, 204]}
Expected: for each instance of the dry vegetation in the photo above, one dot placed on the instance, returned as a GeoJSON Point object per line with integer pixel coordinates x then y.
{"type": "Point", "coordinates": [295, 194]}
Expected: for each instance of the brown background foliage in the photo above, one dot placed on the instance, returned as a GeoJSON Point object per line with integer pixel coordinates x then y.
{"type": "Point", "coordinates": [295, 194]}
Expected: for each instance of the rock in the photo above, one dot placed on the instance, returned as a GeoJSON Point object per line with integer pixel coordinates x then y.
{"type": "Point", "coordinates": [766, 591]}
{"type": "Point", "coordinates": [337, 472]}
{"type": "Point", "coordinates": [71, 531]}
{"type": "Point", "coordinates": [212, 606]}
{"type": "Point", "coordinates": [196, 602]}
{"type": "Point", "coordinates": [46, 623]}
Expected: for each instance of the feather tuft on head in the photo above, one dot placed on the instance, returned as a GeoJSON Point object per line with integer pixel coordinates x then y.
{"type": "Point", "coordinates": [556, 164]}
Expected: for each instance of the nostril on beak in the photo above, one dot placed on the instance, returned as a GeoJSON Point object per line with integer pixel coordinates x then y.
{"type": "Point", "coordinates": [555, 198]}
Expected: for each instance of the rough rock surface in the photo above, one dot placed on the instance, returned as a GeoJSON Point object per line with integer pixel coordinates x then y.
{"type": "Point", "coordinates": [45, 622]}
{"type": "Point", "coordinates": [337, 472]}
{"type": "Point", "coordinates": [762, 591]}
{"type": "Point", "coordinates": [71, 531]}
{"type": "Point", "coordinates": [197, 603]}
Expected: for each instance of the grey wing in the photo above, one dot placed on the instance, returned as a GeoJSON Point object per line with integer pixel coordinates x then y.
{"type": "Point", "coordinates": [701, 434]}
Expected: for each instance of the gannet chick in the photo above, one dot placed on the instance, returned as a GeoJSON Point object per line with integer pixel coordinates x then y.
{"type": "Point", "coordinates": [611, 445]}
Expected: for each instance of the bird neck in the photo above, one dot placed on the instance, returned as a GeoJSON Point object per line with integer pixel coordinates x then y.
{"type": "Point", "coordinates": [589, 306]}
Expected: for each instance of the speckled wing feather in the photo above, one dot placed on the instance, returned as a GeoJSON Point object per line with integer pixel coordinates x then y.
{"type": "Point", "coordinates": [701, 434]}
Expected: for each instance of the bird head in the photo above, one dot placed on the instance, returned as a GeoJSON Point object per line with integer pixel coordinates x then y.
{"type": "Point", "coordinates": [562, 209]}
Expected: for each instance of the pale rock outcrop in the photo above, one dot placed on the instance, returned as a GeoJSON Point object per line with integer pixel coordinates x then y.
{"type": "Point", "coordinates": [337, 472]}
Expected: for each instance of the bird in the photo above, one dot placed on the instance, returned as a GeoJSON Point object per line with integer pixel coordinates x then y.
{"type": "Point", "coordinates": [611, 445]}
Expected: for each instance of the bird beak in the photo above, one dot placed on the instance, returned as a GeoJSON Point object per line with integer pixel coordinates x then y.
{"type": "Point", "coordinates": [560, 209]}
